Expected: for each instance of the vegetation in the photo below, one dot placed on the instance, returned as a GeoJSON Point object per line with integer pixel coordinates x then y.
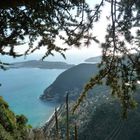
{"type": "Point", "coordinates": [45, 21]}
{"type": "Point", "coordinates": [12, 126]}
{"type": "Point", "coordinates": [98, 117]}
{"type": "Point", "coordinates": [61, 125]}
{"type": "Point", "coordinates": [72, 22]}
{"type": "Point", "coordinates": [105, 123]}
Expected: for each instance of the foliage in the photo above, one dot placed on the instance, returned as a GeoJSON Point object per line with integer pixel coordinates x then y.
{"type": "Point", "coordinates": [101, 119]}
{"type": "Point", "coordinates": [105, 123]}
{"type": "Point", "coordinates": [11, 126]}
{"type": "Point", "coordinates": [119, 67]}
{"type": "Point", "coordinates": [45, 21]}
{"type": "Point", "coordinates": [21, 119]}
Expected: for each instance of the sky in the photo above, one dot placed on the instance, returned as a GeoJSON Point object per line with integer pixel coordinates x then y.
{"type": "Point", "coordinates": [92, 50]}
{"type": "Point", "coordinates": [99, 30]}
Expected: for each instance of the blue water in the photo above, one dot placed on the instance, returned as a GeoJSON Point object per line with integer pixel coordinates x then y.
{"type": "Point", "coordinates": [21, 88]}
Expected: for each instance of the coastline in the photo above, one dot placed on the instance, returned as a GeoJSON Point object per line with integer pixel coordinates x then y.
{"type": "Point", "coordinates": [51, 121]}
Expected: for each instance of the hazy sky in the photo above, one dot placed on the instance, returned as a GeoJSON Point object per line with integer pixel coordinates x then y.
{"type": "Point", "coordinates": [99, 31]}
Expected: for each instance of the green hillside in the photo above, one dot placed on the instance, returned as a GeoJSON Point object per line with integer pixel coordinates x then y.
{"type": "Point", "coordinates": [12, 127]}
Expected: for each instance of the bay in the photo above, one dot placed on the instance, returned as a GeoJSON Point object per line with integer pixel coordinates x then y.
{"type": "Point", "coordinates": [21, 88]}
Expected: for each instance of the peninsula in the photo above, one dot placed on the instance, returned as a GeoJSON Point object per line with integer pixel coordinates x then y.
{"type": "Point", "coordinates": [41, 64]}
{"type": "Point", "coordinates": [72, 81]}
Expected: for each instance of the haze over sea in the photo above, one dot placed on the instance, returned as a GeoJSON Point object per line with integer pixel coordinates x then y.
{"type": "Point", "coordinates": [22, 87]}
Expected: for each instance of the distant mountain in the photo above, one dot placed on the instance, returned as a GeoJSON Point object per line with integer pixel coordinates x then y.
{"type": "Point", "coordinates": [96, 59]}
{"type": "Point", "coordinates": [41, 64]}
{"type": "Point", "coordinates": [72, 81]}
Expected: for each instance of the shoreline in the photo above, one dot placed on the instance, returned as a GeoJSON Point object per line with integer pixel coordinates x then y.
{"type": "Point", "coordinates": [51, 121]}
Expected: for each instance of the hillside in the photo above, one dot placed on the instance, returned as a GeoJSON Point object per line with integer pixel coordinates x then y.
{"type": "Point", "coordinates": [12, 126]}
{"type": "Point", "coordinates": [72, 81]}
{"type": "Point", "coordinates": [41, 64]}
{"type": "Point", "coordinates": [98, 117]}
{"type": "Point", "coordinates": [106, 123]}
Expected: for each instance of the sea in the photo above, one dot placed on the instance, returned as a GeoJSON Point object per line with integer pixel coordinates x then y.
{"type": "Point", "coordinates": [22, 87]}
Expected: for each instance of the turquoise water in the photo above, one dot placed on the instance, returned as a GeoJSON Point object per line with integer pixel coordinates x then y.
{"type": "Point", "coordinates": [21, 88]}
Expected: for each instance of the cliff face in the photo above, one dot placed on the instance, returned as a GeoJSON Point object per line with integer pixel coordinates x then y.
{"type": "Point", "coordinates": [71, 80]}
